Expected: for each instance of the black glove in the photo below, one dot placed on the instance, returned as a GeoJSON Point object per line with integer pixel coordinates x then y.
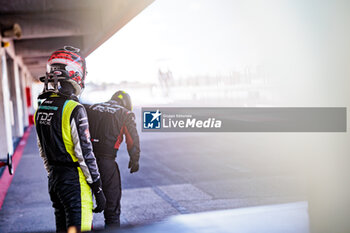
{"type": "Point", "coordinates": [133, 165]}
{"type": "Point", "coordinates": [99, 196]}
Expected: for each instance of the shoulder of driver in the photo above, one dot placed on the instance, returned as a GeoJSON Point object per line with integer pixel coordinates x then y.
{"type": "Point", "coordinates": [79, 110]}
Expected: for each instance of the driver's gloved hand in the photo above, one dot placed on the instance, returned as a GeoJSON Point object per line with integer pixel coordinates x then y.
{"type": "Point", "coordinates": [133, 165]}
{"type": "Point", "coordinates": [100, 198]}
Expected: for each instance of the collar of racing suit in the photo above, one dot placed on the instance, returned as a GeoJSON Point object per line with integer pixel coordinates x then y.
{"type": "Point", "coordinates": [48, 94]}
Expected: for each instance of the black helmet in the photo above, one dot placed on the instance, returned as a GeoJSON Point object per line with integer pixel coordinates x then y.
{"type": "Point", "coordinates": [123, 99]}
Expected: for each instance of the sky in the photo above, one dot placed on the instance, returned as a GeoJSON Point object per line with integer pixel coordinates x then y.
{"type": "Point", "coordinates": [188, 37]}
{"type": "Point", "coordinates": [302, 46]}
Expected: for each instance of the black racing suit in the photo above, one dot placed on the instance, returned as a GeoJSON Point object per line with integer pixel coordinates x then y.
{"type": "Point", "coordinates": [109, 122]}
{"type": "Point", "coordinates": [65, 146]}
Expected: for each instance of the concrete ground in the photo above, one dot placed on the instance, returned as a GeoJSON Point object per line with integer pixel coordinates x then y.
{"type": "Point", "coordinates": [180, 173]}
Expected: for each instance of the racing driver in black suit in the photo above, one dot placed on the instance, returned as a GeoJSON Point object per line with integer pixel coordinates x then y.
{"type": "Point", "coordinates": [109, 123]}
{"type": "Point", "coordinates": [64, 143]}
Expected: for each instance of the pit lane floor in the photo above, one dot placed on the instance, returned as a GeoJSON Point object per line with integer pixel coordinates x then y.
{"type": "Point", "coordinates": [179, 173]}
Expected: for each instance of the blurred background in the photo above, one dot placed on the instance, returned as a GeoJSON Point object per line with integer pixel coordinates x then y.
{"type": "Point", "coordinates": [244, 53]}
{"type": "Point", "coordinates": [184, 50]}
